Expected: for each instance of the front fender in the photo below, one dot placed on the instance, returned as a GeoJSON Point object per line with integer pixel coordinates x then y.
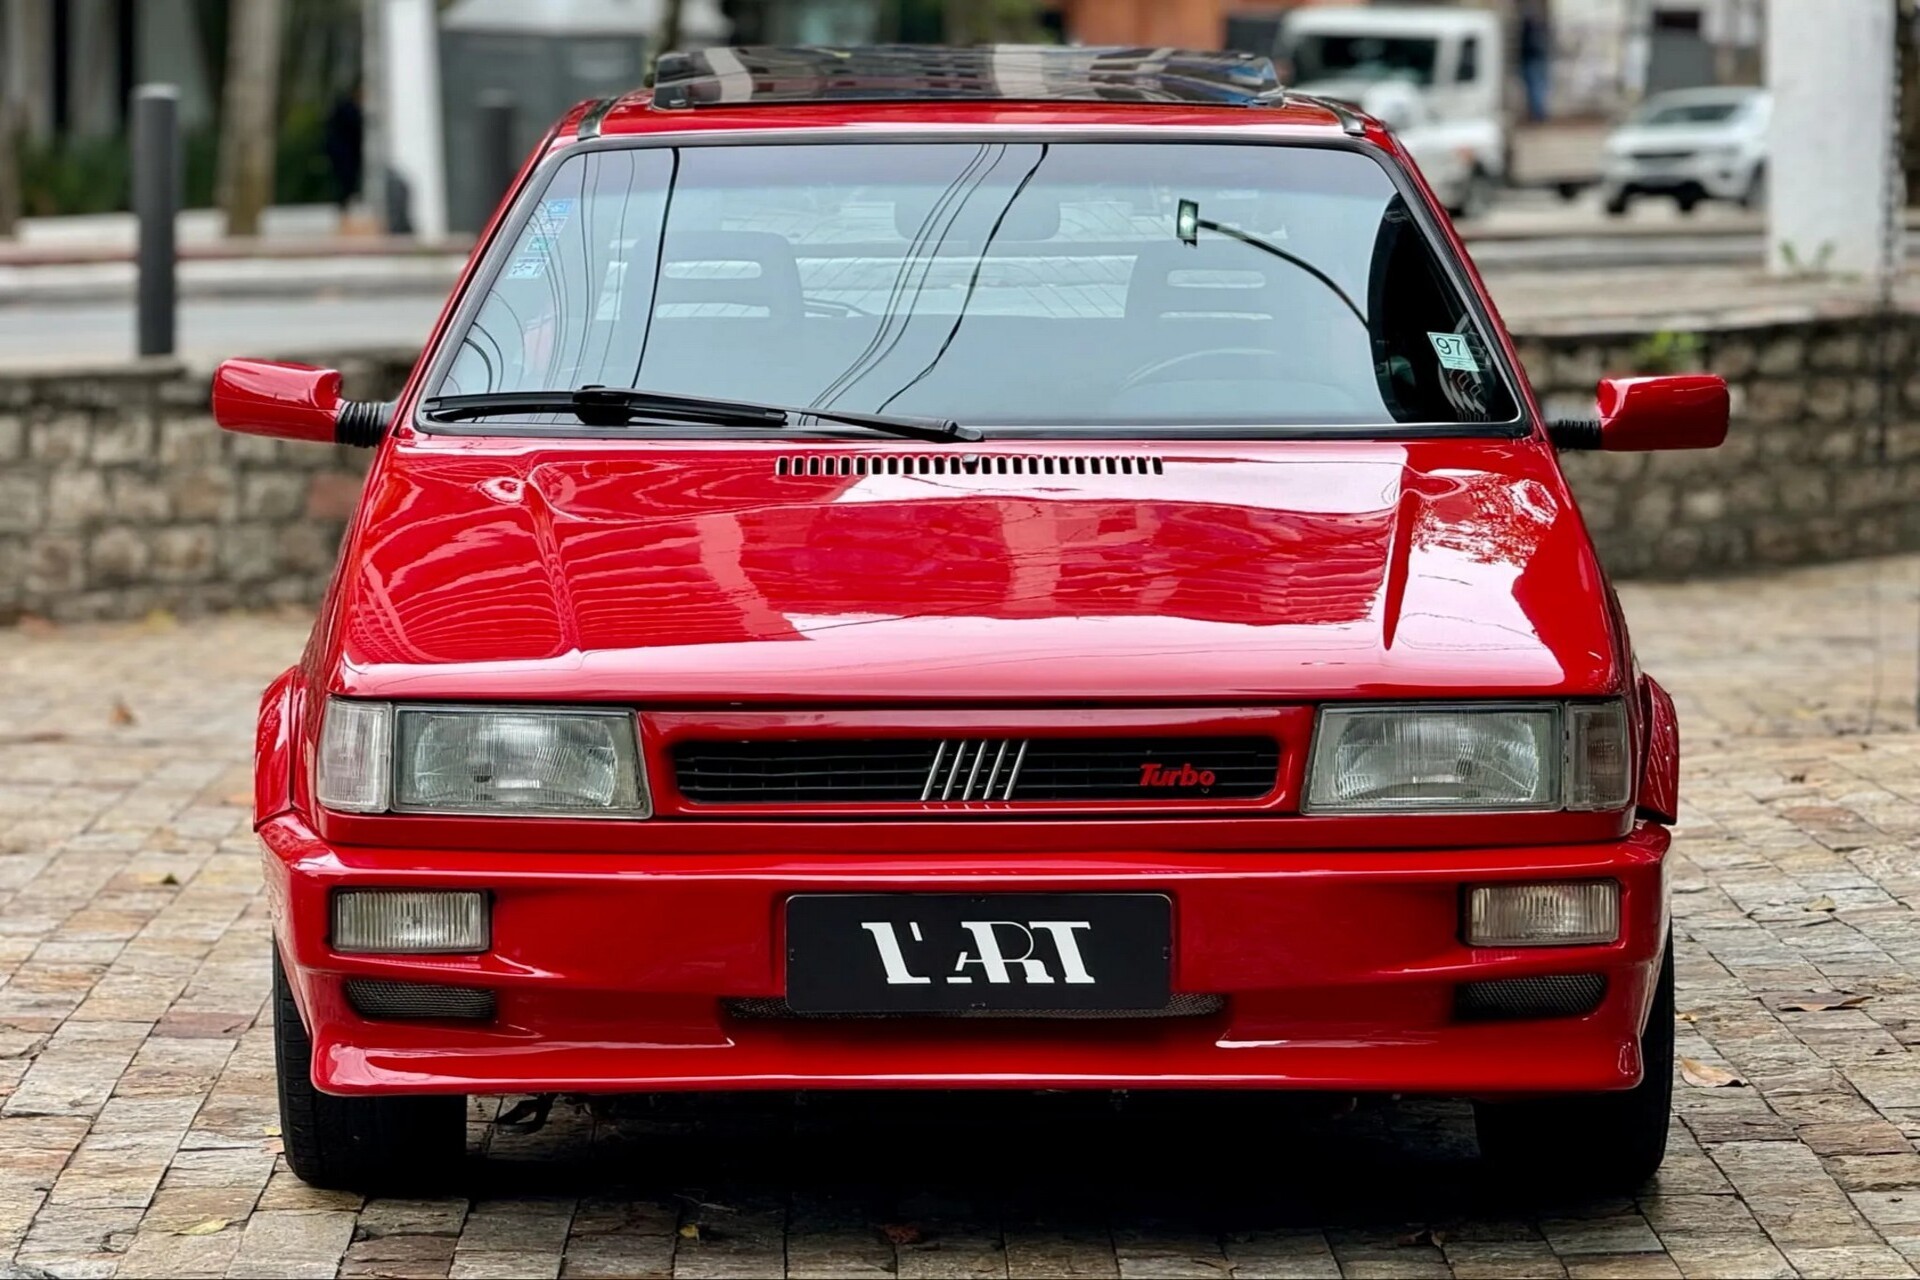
{"type": "Point", "coordinates": [273, 748]}
{"type": "Point", "coordinates": [1660, 766]}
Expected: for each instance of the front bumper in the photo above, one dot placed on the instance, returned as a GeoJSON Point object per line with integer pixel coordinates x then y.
{"type": "Point", "coordinates": [1715, 177]}
{"type": "Point", "coordinates": [1338, 972]}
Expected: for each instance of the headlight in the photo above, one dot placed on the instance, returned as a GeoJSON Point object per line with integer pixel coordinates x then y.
{"type": "Point", "coordinates": [456, 759]}
{"type": "Point", "coordinates": [1465, 759]}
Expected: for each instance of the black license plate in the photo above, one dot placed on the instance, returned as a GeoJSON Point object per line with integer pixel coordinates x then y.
{"type": "Point", "coordinates": [953, 952]}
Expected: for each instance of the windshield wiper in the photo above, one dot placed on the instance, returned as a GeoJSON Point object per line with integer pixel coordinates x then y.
{"type": "Point", "coordinates": [622, 406]}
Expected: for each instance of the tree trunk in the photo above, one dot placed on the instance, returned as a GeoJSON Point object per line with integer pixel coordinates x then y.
{"type": "Point", "coordinates": [9, 168]}
{"type": "Point", "coordinates": [1907, 35]}
{"type": "Point", "coordinates": [671, 16]}
{"type": "Point", "coordinates": [250, 114]}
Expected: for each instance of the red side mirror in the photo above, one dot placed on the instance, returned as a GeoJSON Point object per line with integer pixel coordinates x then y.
{"type": "Point", "coordinates": [293, 402]}
{"type": "Point", "coordinates": [1674, 411]}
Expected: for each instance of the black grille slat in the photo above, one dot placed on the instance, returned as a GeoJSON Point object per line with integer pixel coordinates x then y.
{"type": "Point", "coordinates": [972, 770]}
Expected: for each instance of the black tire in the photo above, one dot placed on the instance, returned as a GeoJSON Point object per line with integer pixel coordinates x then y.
{"type": "Point", "coordinates": [1595, 1142]}
{"type": "Point", "coordinates": [1755, 195]}
{"type": "Point", "coordinates": [1619, 202]}
{"type": "Point", "coordinates": [1688, 198]}
{"type": "Point", "coordinates": [409, 1145]}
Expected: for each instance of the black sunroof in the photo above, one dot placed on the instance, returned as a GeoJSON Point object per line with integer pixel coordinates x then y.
{"type": "Point", "coordinates": [919, 73]}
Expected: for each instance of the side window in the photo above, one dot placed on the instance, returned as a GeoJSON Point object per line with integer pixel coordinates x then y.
{"type": "Point", "coordinates": [1469, 67]}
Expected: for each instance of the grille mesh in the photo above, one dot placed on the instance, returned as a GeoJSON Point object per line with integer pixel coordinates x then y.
{"type": "Point", "coordinates": [383, 1000]}
{"type": "Point", "coordinates": [1560, 995]}
{"type": "Point", "coordinates": [910, 770]}
{"type": "Point", "coordinates": [970, 464]}
{"type": "Point", "coordinates": [1177, 1006]}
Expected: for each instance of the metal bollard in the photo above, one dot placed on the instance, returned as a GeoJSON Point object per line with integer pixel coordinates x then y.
{"type": "Point", "coordinates": [156, 199]}
{"type": "Point", "coordinates": [498, 163]}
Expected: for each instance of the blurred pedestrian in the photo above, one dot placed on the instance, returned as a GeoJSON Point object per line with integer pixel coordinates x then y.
{"type": "Point", "coordinates": [343, 139]}
{"type": "Point", "coordinates": [1536, 56]}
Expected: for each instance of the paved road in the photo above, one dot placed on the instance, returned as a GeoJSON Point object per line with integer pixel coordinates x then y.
{"type": "Point", "coordinates": [136, 1102]}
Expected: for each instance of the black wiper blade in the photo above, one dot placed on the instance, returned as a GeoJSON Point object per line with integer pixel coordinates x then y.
{"type": "Point", "coordinates": [621, 406]}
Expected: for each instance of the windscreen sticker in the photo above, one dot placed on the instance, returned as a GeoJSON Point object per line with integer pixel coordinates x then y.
{"type": "Point", "coordinates": [526, 269]}
{"type": "Point", "coordinates": [1454, 352]}
{"type": "Point", "coordinates": [553, 214]}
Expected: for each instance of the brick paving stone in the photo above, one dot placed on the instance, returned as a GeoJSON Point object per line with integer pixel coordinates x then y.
{"type": "Point", "coordinates": [137, 1111]}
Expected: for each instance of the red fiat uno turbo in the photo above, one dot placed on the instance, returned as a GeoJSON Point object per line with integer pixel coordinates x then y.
{"type": "Point", "coordinates": [1001, 568]}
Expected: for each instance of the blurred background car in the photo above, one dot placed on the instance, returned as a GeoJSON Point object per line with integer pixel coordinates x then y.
{"type": "Point", "coordinates": [1691, 145]}
{"type": "Point", "coordinates": [1435, 76]}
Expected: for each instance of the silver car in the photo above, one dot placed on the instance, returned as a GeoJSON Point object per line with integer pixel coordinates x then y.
{"type": "Point", "coordinates": [1691, 145]}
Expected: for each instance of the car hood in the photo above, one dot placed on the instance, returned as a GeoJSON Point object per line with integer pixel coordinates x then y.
{"type": "Point", "coordinates": [738, 572]}
{"type": "Point", "coordinates": [1631, 138]}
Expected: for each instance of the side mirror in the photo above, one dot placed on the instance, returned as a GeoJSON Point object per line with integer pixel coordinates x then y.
{"type": "Point", "coordinates": [294, 402]}
{"type": "Point", "coordinates": [1671, 411]}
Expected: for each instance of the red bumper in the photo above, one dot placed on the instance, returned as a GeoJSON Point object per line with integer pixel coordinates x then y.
{"type": "Point", "coordinates": [1338, 972]}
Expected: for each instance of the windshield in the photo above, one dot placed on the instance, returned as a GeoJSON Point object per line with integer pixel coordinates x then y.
{"type": "Point", "coordinates": [1336, 57]}
{"type": "Point", "coordinates": [1700, 111]}
{"type": "Point", "coordinates": [1076, 285]}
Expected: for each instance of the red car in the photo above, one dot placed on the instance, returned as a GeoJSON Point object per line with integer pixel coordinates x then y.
{"type": "Point", "coordinates": [928, 569]}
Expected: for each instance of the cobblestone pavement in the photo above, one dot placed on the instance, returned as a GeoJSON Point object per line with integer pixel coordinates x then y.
{"type": "Point", "coordinates": [137, 1119]}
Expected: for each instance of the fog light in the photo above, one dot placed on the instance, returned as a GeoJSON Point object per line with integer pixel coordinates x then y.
{"type": "Point", "coordinates": [409, 920]}
{"type": "Point", "coordinates": [1565, 914]}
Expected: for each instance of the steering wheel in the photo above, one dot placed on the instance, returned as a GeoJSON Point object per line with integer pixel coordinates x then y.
{"type": "Point", "coordinates": [1174, 368]}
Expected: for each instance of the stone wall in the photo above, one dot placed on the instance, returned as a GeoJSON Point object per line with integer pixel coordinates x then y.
{"type": "Point", "coordinates": [1812, 468]}
{"type": "Point", "coordinates": [118, 495]}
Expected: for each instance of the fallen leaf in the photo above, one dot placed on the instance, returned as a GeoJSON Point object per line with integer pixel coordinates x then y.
{"type": "Point", "coordinates": [211, 1227]}
{"type": "Point", "coordinates": [273, 1146]}
{"type": "Point", "coordinates": [122, 714]}
{"type": "Point", "coordinates": [1705, 1075]}
{"type": "Point", "coordinates": [1688, 1016]}
{"type": "Point", "coordinates": [159, 620]}
{"type": "Point", "coordinates": [689, 1231]}
{"type": "Point", "coordinates": [1821, 903]}
{"type": "Point", "coordinates": [1424, 1236]}
{"type": "Point", "coordinates": [170, 879]}
{"type": "Point", "coordinates": [901, 1233]}
{"type": "Point", "coordinates": [1822, 1003]}
{"type": "Point", "coordinates": [270, 1130]}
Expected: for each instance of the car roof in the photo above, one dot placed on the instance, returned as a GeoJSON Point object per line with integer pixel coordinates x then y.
{"type": "Point", "coordinates": [819, 87]}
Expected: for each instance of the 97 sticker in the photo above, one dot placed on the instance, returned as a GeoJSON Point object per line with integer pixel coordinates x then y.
{"type": "Point", "coordinates": [1454, 352]}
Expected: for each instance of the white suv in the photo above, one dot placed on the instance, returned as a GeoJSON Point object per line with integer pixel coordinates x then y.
{"type": "Point", "coordinates": [1692, 145]}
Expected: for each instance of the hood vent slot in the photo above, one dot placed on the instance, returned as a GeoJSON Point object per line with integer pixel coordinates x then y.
{"type": "Point", "coordinates": [968, 464]}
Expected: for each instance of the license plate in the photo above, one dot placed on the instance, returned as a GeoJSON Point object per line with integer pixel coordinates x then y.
{"type": "Point", "coordinates": [953, 952]}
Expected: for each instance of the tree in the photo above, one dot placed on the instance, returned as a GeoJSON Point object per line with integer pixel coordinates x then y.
{"type": "Point", "coordinates": [249, 118]}
{"type": "Point", "coordinates": [1907, 34]}
{"type": "Point", "coordinates": [9, 168]}
{"type": "Point", "coordinates": [671, 16]}
{"type": "Point", "coordinates": [993, 22]}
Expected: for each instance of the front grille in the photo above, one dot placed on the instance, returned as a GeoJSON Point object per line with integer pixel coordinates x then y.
{"type": "Point", "coordinates": [385, 1001]}
{"type": "Point", "coordinates": [949, 770]}
{"type": "Point", "coordinates": [1177, 1006]}
{"type": "Point", "coordinates": [1560, 995]}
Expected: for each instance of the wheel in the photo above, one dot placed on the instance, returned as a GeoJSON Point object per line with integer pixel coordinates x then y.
{"type": "Point", "coordinates": [408, 1145]}
{"type": "Point", "coordinates": [1604, 1142]}
{"type": "Point", "coordinates": [1755, 195]}
{"type": "Point", "coordinates": [1476, 197]}
{"type": "Point", "coordinates": [1619, 202]}
{"type": "Point", "coordinates": [1688, 198]}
